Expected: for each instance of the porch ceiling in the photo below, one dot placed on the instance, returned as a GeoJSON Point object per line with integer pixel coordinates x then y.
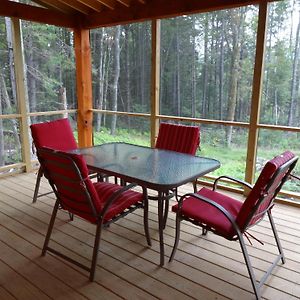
{"type": "Point", "coordinates": [99, 13]}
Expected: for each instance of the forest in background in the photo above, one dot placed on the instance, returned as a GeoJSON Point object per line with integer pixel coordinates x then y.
{"type": "Point", "coordinates": [207, 63]}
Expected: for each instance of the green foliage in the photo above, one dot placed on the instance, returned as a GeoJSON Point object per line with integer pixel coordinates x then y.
{"type": "Point", "coordinates": [49, 56]}
{"type": "Point", "coordinates": [122, 135]}
{"type": "Point", "coordinates": [232, 159]}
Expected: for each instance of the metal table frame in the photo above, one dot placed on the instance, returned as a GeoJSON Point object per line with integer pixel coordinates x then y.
{"type": "Point", "coordinates": [156, 169]}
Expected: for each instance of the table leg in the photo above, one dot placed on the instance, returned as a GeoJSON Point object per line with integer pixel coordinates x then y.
{"type": "Point", "coordinates": [161, 227]}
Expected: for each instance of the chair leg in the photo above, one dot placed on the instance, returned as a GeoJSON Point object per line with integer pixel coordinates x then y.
{"type": "Point", "coordinates": [71, 216]}
{"type": "Point", "coordinates": [146, 223]}
{"type": "Point", "coordinates": [166, 210]}
{"type": "Point", "coordinates": [195, 186]}
{"type": "Point", "coordinates": [256, 286]}
{"type": "Point", "coordinates": [50, 227]}
{"type": "Point", "coordinates": [95, 251]}
{"type": "Point", "coordinates": [99, 177]}
{"type": "Point", "coordinates": [37, 184]}
{"type": "Point", "coordinates": [177, 236]}
{"type": "Point", "coordinates": [249, 266]}
{"type": "Point", "coordinates": [276, 236]}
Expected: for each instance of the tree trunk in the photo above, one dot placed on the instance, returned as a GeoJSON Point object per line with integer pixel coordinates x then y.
{"type": "Point", "coordinates": [141, 47]}
{"type": "Point", "coordinates": [276, 107]}
{"type": "Point", "coordinates": [62, 98]}
{"type": "Point", "coordinates": [205, 69]}
{"type": "Point", "coordinates": [127, 74]}
{"type": "Point", "coordinates": [295, 79]}
{"type": "Point", "coordinates": [31, 78]}
{"type": "Point", "coordinates": [237, 26]}
{"type": "Point", "coordinates": [7, 103]}
{"type": "Point", "coordinates": [177, 72]}
{"type": "Point", "coordinates": [101, 75]}
{"type": "Point", "coordinates": [193, 73]}
{"type": "Point", "coordinates": [116, 72]}
{"type": "Point", "coordinates": [11, 58]}
{"type": "Point", "coordinates": [106, 77]}
{"type": "Point", "coordinates": [268, 58]}
{"type": "Point", "coordinates": [221, 67]}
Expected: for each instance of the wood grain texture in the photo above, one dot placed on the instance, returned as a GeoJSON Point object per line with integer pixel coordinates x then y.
{"type": "Point", "coordinates": [203, 268]}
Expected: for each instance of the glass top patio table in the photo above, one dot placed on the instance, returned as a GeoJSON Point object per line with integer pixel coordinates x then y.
{"type": "Point", "coordinates": [157, 169]}
{"type": "Point", "coordinates": [153, 168]}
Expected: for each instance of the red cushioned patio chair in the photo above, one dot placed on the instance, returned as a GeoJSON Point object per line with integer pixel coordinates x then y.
{"type": "Point", "coordinates": [179, 138]}
{"type": "Point", "coordinates": [57, 135]}
{"type": "Point", "coordinates": [100, 203]}
{"type": "Point", "coordinates": [231, 218]}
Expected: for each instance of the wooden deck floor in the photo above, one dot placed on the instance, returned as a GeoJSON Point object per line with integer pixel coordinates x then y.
{"type": "Point", "coordinates": [204, 268]}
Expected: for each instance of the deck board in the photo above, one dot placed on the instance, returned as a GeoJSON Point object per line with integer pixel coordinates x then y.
{"type": "Point", "coordinates": [204, 267]}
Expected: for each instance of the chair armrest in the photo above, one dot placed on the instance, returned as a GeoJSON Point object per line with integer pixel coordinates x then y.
{"type": "Point", "coordinates": [225, 212]}
{"type": "Point", "coordinates": [232, 179]}
{"type": "Point", "coordinates": [116, 195]}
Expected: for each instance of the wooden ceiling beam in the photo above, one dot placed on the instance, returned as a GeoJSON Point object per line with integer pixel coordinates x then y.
{"type": "Point", "coordinates": [78, 6]}
{"type": "Point", "coordinates": [36, 14]}
{"type": "Point", "coordinates": [125, 2]}
{"type": "Point", "coordinates": [111, 4]}
{"type": "Point", "coordinates": [157, 9]}
{"type": "Point", "coordinates": [93, 4]}
{"type": "Point", "coordinates": [55, 5]}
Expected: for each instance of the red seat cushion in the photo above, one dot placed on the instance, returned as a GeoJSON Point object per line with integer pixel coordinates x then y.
{"type": "Point", "coordinates": [74, 194]}
{"type": "Point", "coordinates": [125, 200]}
{"type": "Point", "coordinates": [60, 170]}
{"type": "Point", "coordinates": [207, 214]}
{"type": "Point", "coordinates": [179, 138]}
{"type": "Point", "coordinates": [55, 134]}
{"type": "Point", "coordinates": [259, 188]}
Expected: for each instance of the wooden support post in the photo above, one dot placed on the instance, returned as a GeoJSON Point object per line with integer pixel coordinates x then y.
{"type": "Point", "coordinates": [21, 92]}
{"type": "Point", "coordinates": [256, 92]}
{"type": "Point", "coordinates": [155, 82]}
{"type": "Point", "coordinates": [84, 87]}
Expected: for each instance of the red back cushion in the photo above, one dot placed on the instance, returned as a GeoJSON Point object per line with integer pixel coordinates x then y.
{"type": "Point", "coordinates": [260, 189]}
{"type": "Point", "coordinates": [180, 138]}
{"type": "Point", "coordinates": [55, 134]}
{"type": "Point", "coordinates": [69, 173]}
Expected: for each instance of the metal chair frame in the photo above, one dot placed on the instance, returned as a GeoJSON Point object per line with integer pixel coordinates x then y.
{"type": "Point", "coordinates": [99, 217]}
{"type": "Point", "coordinates": [285, 168]}
{"type": "Point", "coordinates": [170, 194]}
{"type": "Point", "coordinates": [36, 194]}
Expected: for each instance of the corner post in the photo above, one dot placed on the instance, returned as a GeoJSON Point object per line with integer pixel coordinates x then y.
{"type": "Point", "coordinates": [155, 80]}
{"type": "Point", "coordinates": [256, 92]}
{"type": "Point", "coordinates": [21, 91]}
{"type": "Point", "coordinates": [84, 86]}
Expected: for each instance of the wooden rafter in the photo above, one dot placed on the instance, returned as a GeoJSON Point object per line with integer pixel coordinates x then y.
{"type": "Point", "coordinates": [36, 14]}
{"type": "Point", "coordinates": [78, 6]}
{"type": "Point", "coordinates": [55, 5]}
{"type": "Point", "coordinates": [125, 2]}
{"type": "Point", "coordinates": [108, 3]}
{"type": "Point", "coordinates": [98, 13]}
{"type": "Point", "coordinates": [93, 4]}
{"type": "Point", "coordinates": [157, 9]}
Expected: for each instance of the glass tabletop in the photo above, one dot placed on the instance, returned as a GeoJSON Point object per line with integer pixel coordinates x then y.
{"type": "Point", "coordinates": [154, 168]}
